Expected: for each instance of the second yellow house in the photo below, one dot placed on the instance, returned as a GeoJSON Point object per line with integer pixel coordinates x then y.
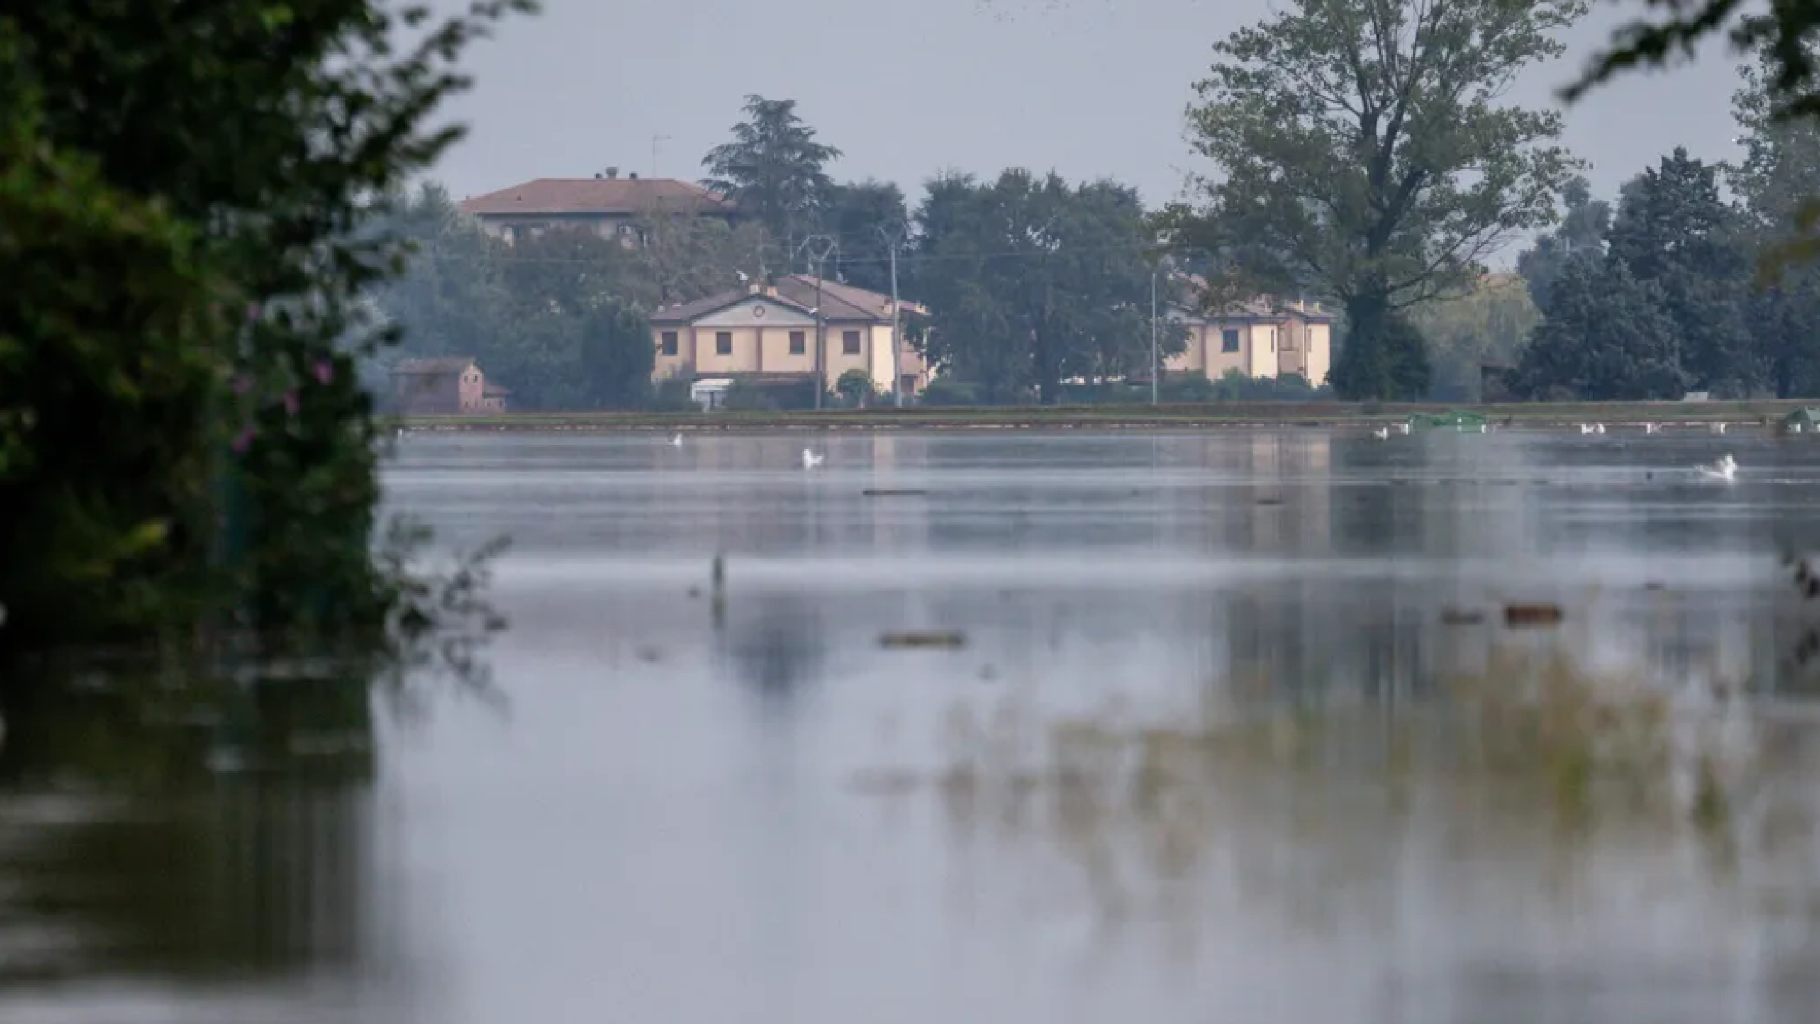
{"type": "Point", "coordinates": [1262, 337]}
{"type": "Point", "coordinates": [767, 334]}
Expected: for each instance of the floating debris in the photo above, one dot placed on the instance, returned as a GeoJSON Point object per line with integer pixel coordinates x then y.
{"type": "Point", "coordinates": [888, 492]}
{"type": "Point", "coordinates": [1461, 617]}
{"type": "Point", "coordinates": [922, 639]}
{"type": "Point", "coordinates": [1518, 616]}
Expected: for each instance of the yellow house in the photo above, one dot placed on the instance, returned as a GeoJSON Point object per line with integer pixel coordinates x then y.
{"type": "Point", "coordinates": [767, 334]}
{"type": "Point", "coordinates": [1261, 337]}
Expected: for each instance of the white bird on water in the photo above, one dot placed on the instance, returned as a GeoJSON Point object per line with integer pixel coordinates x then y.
{"type": "Point", "coordinates": [676, 441]}
{"type": "Point", "coordinates": [1724, 469]}
{"type": "Point", "coordinates": [811, 459]}
{"type": "Point", "coordinates": [1592, 428]}
{"type": "Point", "coordinates": [1404, 427]}
{"type": "Point", "coordinates": [1718, 428]}
{"type": "Point", "coordinates": [1652, 428]}
{"type": "Point", "coordinates": [1382, 433]}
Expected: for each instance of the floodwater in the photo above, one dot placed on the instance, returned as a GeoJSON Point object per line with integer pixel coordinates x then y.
{"type": "Point", "coordinates": [1170, 740]}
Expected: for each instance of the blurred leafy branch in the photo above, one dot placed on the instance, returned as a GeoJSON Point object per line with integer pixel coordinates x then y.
{"type": "Point", "coordinates": [1784, 39]}
{"type": "Point", "coordinates": [187, 192]}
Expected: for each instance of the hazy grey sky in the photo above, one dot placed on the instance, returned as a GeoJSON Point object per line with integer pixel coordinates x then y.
{"type": "Point", "coordinates": [906, 89]}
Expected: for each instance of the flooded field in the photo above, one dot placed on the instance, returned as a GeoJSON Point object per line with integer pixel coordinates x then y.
{"type": "Point", "coordinates": [1047, 727]}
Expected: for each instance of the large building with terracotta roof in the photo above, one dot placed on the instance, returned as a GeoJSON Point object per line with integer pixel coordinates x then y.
{"type": "Point", "coordinates": [607, 204]}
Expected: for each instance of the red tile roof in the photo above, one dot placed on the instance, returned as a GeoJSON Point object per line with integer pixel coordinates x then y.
{"type": "Point", "coordinates": [625, 196]}
{"type": "Point", "coordinates": [440, 365]}
{"type": "Point", "coordinates": [841, 303]}
{"type": "Point", "coordinates": [1259, 307]}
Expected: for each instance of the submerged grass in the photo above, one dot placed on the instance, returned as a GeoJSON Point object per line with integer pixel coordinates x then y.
{"type": "Point", "coordinates": [1533, 755]}
{"type": "Point", "coordinates": [1515, 761]}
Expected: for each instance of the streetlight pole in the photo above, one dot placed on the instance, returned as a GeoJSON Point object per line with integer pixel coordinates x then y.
{"type": "Point", "coordinates": [892, 239]}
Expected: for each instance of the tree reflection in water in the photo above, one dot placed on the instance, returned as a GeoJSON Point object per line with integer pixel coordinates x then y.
{"type": "Point", "coordinates": [202, 830]}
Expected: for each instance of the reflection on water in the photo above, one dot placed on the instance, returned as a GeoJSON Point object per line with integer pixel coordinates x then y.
{"type": "Point", "coordinates": [1237, 729]}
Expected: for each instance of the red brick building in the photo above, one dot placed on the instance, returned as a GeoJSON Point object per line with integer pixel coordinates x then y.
{"type": "Point", "coordinates": [446, 386]}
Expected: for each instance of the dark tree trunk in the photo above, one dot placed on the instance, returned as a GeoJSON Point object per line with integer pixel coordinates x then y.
{"type": "Point", "coordinates": [1384, 358]}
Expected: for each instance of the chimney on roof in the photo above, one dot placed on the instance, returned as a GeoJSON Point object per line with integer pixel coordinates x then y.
{"type": "Point", "coordinates": [612, 172]}
{"type": "Point", "coordinates": [633, 175]}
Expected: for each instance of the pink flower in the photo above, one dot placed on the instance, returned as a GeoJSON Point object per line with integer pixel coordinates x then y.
{"type": "Point", "coordinates": [242, 384]}
{"type": "Point", "coordinates": [244, 441]}
{"type": "Point", "coordinates": [290, 402]}
{"type": "Point", "coordinates": [325, 371]}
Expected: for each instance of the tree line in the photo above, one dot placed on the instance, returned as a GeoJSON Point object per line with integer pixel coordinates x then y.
{"type": "Point", "coordinates": [1030, 280]}
{"type": "Point", "coordinates": [1365, 156]}
{"type": "Point", "coordinates": [1676, 286]}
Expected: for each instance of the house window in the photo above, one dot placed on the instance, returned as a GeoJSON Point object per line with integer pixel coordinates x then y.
{"type": "Point", "coordinates": [1229, 340]}
{"type": "Point", "coordinates": [849, 343]}
{"type": "Point", "coordinates": [723, 343]}
{"type": "Point", "coordinates": [797, 344]}
{"type": "Point", "coordinates": [670, 345]}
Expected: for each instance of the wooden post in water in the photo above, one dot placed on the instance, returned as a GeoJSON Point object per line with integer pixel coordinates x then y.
{"type": "Point", "coordinates": [718, 594]}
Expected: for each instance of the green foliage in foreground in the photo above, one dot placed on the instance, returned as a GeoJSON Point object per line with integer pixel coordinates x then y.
{"type": "Point", "coordinates": [185, 193]}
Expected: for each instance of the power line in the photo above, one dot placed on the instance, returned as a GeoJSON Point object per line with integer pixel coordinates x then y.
{"type": "Point", "coordinates": [908, 257]}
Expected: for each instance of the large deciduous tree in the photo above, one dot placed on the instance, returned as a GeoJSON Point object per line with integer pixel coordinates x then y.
{"type": "Point", "coordinates": [1030, 280]}
{"type": "Point", "coordinates": [774, 169]}
{"type": "Point", "coordinates": [1363, 151]}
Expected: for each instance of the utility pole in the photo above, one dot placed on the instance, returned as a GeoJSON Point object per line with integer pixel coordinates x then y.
{"type": "Point", "coordinates": [655, 140]}
{"type": "Point", "coordinates": [1156, 371]}
{"type": "Point", "coordinates": [1153, 273]}
{"type": "Point", "coordinates": [819, 248]}
{"type": "Point", "coordinates": [893, 239]}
